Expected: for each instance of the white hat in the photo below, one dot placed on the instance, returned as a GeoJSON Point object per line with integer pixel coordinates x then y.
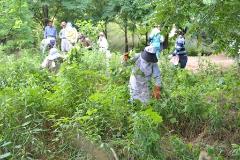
{"type": "Point", "coordinates": [150, 49]}
{"type": "Point", "coordinates": [53, 54]}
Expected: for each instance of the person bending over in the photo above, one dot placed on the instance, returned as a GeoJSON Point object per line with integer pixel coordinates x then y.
{"type": "Point", "coordinates": [145, 67]}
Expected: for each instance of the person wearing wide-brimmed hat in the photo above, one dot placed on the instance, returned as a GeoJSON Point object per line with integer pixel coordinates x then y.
{"type": "Point", "coordinates": [49, 61]}
{"type": "Point", "coordinates": [145, 67]}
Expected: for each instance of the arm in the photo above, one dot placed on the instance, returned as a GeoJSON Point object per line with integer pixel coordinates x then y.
{"type": "Point", "coordinates": [150, 39]}
{"type": "Point", "coordinates": [56, 33]}
{"type": "Point", "coordinates": [60, 34]}
{"type": "Point", "coordinates": [45, 32]}
{"type": "Point", "coordinates": [161, 39]}
{"type": "Point", "coordinates": [156, 75]}
{"type": "Point", "coordinates": [75, 35]}
{"type": "Point", "coordinates": [127, 61]}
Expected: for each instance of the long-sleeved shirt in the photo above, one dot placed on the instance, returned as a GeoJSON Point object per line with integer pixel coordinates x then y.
{"type": "Point", "coordinates": [102, 42]}
{"type": "Point", "coordinates": [146, 69]}
{"type": "Point", "coordinates": [156, 38]}
{"type": "Point", "coordinates": [71, 34]}
{"type": "Point", "coordinates": [50, 32]}
{"type": "Point", "coordinates": [62, 34]}
{"type": "Point", "coordinates": [180, 44]}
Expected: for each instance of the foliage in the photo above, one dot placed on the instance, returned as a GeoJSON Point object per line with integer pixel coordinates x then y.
{"type": "Point", "coordinates": [87, 99]}
{"type": "Point", "coordinates": [83, 111]}
{"type": "Point", "coordinates": [16, 24]}
{"type": "Point", "coordinates": [89, 29]}
{"type": "Point", "coordinates": [217, 19]}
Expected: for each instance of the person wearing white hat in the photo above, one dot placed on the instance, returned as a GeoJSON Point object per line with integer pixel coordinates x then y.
{"type": "Point", "coordinates": [102, 42]}
{"type": "Point", "coordinates": [156, 40]}
{"type": "Point", "coordinates": [52, 56]}
{"type": "Point", "coordinates": [144, 69]}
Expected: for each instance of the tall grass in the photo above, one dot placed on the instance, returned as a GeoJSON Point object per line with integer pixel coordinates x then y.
{"type": "Point", "coordinates": [83, 112]}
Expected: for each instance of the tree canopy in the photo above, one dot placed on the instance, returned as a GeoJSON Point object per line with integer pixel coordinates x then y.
{"type": "Point", "coordinates": [219, 20]}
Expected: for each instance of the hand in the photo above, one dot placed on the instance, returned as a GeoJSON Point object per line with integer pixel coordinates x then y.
{"type": "Point", "coordinates": [126, 57]}
{"type": "Point", "coordinates": [156, 92]}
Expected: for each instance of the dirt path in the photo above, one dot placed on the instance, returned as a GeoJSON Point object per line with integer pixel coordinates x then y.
{"type": "Point", "coordinates": [220, 60]}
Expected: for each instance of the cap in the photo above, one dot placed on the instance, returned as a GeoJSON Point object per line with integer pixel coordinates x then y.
{"type": "Point", "coordinates": [51, 43]}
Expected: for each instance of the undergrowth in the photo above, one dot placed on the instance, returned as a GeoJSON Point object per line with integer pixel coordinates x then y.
{"type": "Point", "coordinates": [82, 112]}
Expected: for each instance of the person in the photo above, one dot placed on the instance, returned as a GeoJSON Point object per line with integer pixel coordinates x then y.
{"type": "Point", "coordinates": [71, 34]}
{"type": "Point", "coordinates": [85, 42]}
{"type": "Point", "coordinates": [50, 33]}
{"type": "Point", "coordinates": [156, 40]}
{"type": "Point", "coordinates": [50, 61]}
{"type": "Point", "coordinates": [103, 45]}
{"type": "Point", "coordinates": [145, 67]}
{"type": "Point", "coordinates": [65, 44]}
{"type": "Point", "coordinates": [179, 56]}
{"type": "Point", "coordinates": [102, 42]}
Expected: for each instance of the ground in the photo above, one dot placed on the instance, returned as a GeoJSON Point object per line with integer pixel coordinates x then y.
{"type": "Point", "coordinates": [220, 60]}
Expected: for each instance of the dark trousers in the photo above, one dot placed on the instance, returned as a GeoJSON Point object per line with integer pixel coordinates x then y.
{"type": "Point", "coordinates": [183, 60]}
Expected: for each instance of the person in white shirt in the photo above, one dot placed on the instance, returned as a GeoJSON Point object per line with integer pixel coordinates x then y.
{"type": "Point", "coordinates": [65, 44]}
{"type": "Point", "coordinates": [102, 43]}
{"type": "Point", "coordinates": [71, 34]}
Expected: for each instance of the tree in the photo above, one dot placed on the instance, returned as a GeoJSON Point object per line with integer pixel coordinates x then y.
{"type": "Point", "coordinates": [45, 10]}
{"type": "Point", "coordinates": [218, 19]}
{"type": "Point", "coordinates": [128, 13]}
{"type": "Point", "coordinates": [16, 24]}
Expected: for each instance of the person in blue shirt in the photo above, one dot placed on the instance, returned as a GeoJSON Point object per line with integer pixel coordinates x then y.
{"type": "Point", "coordinates": [50, 33]}
{"type": "Point", "coordinates": [180, 55]}
{"type": "Point", "coordinates": [156, 39]}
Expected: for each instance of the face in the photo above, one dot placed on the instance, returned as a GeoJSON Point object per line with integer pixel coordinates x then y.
{"type": "Point", "coordinates": [101, 34]}
{"type": "Point", "coordinates": [50, 24]}
{"type": "Point", "coordinates": [63, 24]}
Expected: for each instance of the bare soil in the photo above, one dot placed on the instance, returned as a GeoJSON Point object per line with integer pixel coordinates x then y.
{"type": "Point", "coordinates": [219, 60]}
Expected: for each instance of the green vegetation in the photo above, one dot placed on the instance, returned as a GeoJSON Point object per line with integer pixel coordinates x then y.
{"type": "Point", "coordinates": [43, 115]}
{"type": "Point", "coordinates": [83, 110]}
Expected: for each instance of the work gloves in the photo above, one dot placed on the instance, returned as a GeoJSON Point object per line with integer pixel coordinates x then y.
{"type": "Point", "coordinates": [156, 92]}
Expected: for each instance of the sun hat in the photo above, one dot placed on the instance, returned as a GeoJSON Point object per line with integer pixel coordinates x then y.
{"type": "Point", "coordinates": [149, 54]}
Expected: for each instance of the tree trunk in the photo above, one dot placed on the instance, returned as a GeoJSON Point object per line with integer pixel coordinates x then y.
{"type": "Point", "coordinates": [166, 41]}
{"type": "Point", "coordinates": [45, 14]}
{"type": "Point", "coordinates": [105, 28]}
{"type": "Point", "coordinates": [146, 36]}
{"type": "Point", "coordinates": [133, 38]}
{"type": "Point", "coordinates": [126, 37]}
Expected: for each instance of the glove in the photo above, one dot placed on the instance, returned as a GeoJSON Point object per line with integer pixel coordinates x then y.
{"type": "Point", "coordinates": [156, 92]}
{"type": "Point", "coordinates": [126, 57]}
